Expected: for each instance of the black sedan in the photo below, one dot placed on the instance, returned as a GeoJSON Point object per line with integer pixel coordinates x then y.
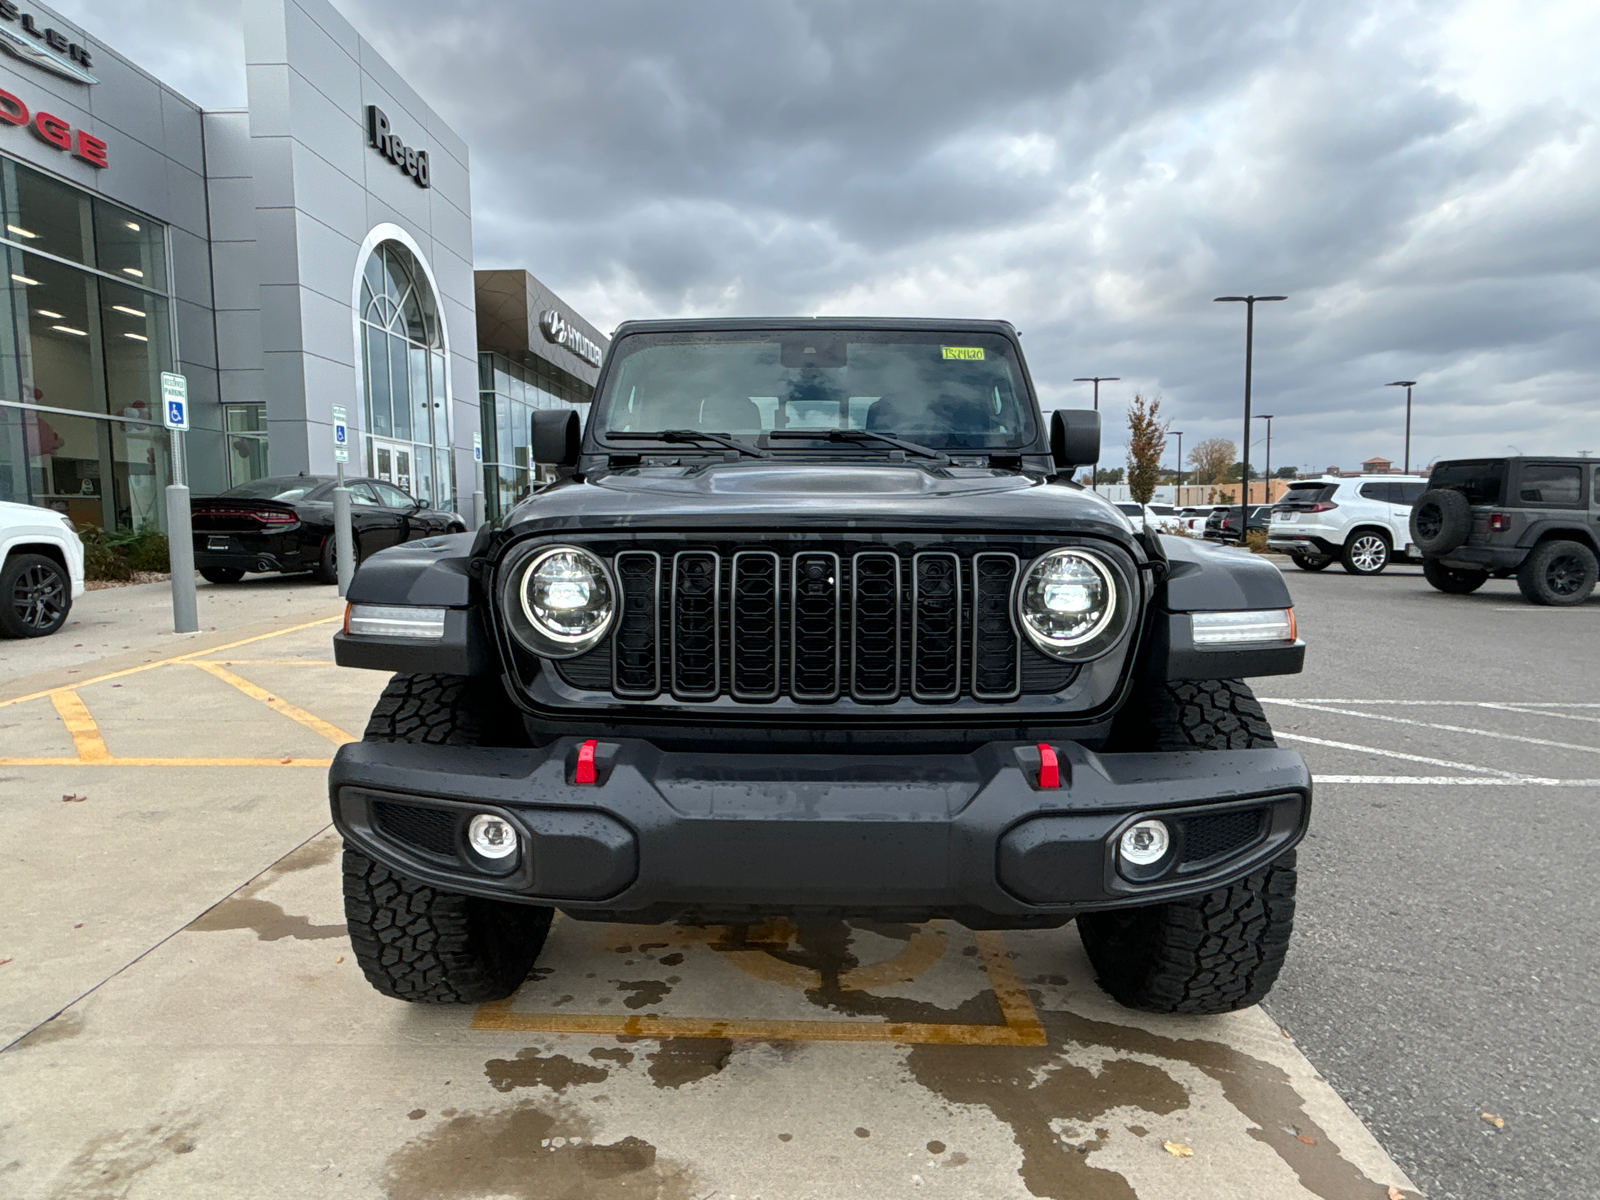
{"type": "Point", "coordinates": [1223, 523]}
{"type": "Point", "coordinates": [285, 524]}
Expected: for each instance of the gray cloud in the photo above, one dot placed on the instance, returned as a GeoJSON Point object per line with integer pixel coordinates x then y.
{"type": "Point", "coordinates": [1420, 180]}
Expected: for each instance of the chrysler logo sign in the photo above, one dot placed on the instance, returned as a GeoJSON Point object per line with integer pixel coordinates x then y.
{"type": "Point", "coordinates": [47, 48]}
{"type": "Point", "coordinates": [562, 332]}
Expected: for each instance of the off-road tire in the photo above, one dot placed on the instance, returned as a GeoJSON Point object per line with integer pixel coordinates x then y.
{"type": "Point", "coordinates": [1452, 580]}
{"type": "Point", "coordinates": [1312, 562]}
{"type": "Point", "coordinates": [1360, 554]}
{"type": "Point", "coordinates": [1558, 573]}
{"type": "Point", "coordinates": [415, 941]}
{"type": "Point", "coordinates": [1219, 951]}
{"type": "Point", "coordinates": [327, 568]}
{"type": "Point", "coordinates": [1441, 520]}
{"type": "Point", "coordinates": [35, 596]}
{"type": "Point", "coordinates": [222, 574]}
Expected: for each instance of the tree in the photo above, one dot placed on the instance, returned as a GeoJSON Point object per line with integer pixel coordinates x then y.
{"type": "Point", "coordinates": [1211, 460]}
{"type": "Point", "coordinates": [1235, 470]}
{"type": "Point", "coordinates": [1286, 473]}
{"type": "Point", "coordinates": [1108, 475]}
{"type": "Point", "coordinates": [1147, 442]}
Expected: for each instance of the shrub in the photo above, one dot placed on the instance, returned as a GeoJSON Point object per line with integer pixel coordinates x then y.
{"type": "Point", "coordinates": [116, 556]}
{"type": "Point", "coordinates": [1256, 540]}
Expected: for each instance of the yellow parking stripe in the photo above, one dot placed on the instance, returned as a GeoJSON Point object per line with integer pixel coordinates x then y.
{"type": "Point", "coordinates": [1022, 1025]}
{"type": "Point", "coordinates": [85, 733]}
{"type": "Point", "coordinates": [177, 658]}
{"type": "Point", "coordinates": [315, 723]}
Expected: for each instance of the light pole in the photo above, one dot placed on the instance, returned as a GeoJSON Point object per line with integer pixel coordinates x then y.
{"type": "Point", "coordinates": [1408, 384]}
{"type": "Point", "coordinates": [1097, 380]}
{"type": "Point", "coordinates": [1179, 435]}
{"type": "Point", "coordinates": [1266, 496]}
{"type": "Point", "coordinates": [1249, 303]}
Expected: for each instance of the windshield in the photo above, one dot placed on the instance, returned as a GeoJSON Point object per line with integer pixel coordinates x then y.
{"type": "Point", "coordinates": [945, 390]}
{"type": "Point", "coordinates": [283, 487]}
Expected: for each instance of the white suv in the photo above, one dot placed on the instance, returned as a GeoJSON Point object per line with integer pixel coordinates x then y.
{"type": "Point", "coordinates": [1364, 522]}
{"type": "Point", "coordinates": [41, 570]}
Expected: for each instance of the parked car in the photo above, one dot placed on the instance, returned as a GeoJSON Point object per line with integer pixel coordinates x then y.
{"type": "Point", "coordinates": [41, 569]}
{"type": "Point", "coordinates": [1159, 517]}
{"type": "Point", "coordinates": [759, 651]}
{"type": "Point", "coordinates": [285, 523]}
{"type": "Point", "coordinates": [1537, 519]}
{"type": "Point", "coordinates": [1222, 522]}
{"type": "Point", "coordinates": [1192, 519]}
{"type": "Point", "coordinates": [1362, 521]}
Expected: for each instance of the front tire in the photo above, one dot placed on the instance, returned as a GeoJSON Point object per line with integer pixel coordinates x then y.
{"type": "Point", "coordinates": [1558, 573]}
{"type": "Point", "coordinates": [1452, 580]}
{"type": "Point", "coordinates": [1366, 553]}
{"type": "Point", "coordinates": [35, 596]}
{"type": "Point", "coordinates": [1222, 950]}
{"type": "Point", "coordinates": [415, 941]}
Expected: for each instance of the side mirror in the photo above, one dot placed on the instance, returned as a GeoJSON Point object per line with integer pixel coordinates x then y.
{"type": "Point", "coordinates": [1074, 438]}
{"type": "Point", "coordinates": [420, 504]}
{"type": "Point", "coordinates": [555, 437]}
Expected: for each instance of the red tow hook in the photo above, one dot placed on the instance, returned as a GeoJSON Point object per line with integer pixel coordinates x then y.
{"type": "Point", "coordinates": [585, 774]}
{"type": "Point", "coordinates": [1049, 768]}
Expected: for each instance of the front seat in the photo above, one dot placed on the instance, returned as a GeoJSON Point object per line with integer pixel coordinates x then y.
{"type": "Point", "coordinates": [730, 414]}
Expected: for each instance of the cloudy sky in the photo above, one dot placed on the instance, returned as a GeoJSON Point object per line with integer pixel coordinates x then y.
{"type": "Point", "coordinates": [1422, 179]}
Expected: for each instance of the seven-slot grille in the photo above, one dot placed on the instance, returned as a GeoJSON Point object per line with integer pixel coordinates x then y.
{"type": "Point", "coordinates": [874, 625]}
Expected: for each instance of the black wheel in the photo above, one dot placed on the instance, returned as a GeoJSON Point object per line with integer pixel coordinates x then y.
{"type": "Point", "coordinates": [1558, 572]}
{"type": "Point", "coordinates": [1220, 951]}
{"type": "Point", "coordinates": [415, 941]}
{"type": "Point", "coordinates": [1312, 562]}
{"type": "Point", "coordinates": [35, 596]}
{"type": "Point", "coordinates": [327, 568]}
{"type": "Point", "coordinates": [1366, 552]}
{"type": "Point", "coordinates": [222, 574]}
{"type": "Point", "coordinates": [1452, 579]}
{"type": "Point", "coordinates": [1441, 520]}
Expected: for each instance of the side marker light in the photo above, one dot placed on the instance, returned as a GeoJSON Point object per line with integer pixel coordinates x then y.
{"type": "Point", "coordinates": [1049, 767]}
{"type": "Point", "coordinates": [585, 774]}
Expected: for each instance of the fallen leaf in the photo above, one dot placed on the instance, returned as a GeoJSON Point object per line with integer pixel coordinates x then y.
{"type": "Point", "coordinates": [1310, 1141]}
{"type": "Point", "coordinates": [79, 925]}
{"type": "Point", "coordinates": [340, 959]}
{"type": "Point", "coordinates": [73, 798]}
{"type": "Point", "coordinates": [1496, 1121]}
{"type": "Point", "coordinates": [4, 961]}
{"type": "Point", "coordinates": [1395, 1193]}
{"type": "Point", "coordinates": [1178, 1149]}
{"type": "Point", "coordinates": [286, 760]}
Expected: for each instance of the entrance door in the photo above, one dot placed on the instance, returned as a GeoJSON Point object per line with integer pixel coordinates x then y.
{"type": "Point", "coordinates": [391, 462]}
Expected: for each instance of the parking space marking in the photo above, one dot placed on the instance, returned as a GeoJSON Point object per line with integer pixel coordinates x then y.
{"type": "Point", "coordinates": [1022, 1026]}
{"type": "Point", "coordinates": [278, 705]}
{"type": "Point", "coordinates": [1486, 733]}
{"type": "Point", "coordinates": [1457, 780]}
{"type": "Point", "coordinates": [86, 739]}
{"type": "Point", "coordinates": [1432, 762]}
{"type": "Point", "coordinates": [1540, 704]}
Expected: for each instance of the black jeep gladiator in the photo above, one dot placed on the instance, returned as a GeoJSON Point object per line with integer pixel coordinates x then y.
{"type": "Point", "coordinates": [814, 623]}
{"type": "Point", "coordinates": [1537, 519]}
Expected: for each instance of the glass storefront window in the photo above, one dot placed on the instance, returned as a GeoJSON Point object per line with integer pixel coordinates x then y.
{"type": "Point", "coordinates": [247, 442]}
{"type": "Point", "coordinates": [131, 245]}
{"type": "Point", "coordinates": [45, 214]}
{"type": "Point", "coordinates": [107, 473]}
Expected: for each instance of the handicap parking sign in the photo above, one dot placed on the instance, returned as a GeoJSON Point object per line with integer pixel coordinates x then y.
{"type": "Point", "coordinates": [174, 401]}
{"type": "Point", "coordinates": [341, 434]}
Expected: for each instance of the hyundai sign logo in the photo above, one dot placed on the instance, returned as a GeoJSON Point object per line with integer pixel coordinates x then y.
{"type": "Point", "coordinates": [563, 333]}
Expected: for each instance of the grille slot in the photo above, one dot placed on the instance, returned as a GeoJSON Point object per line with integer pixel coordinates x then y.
{"type": "Point", "coordinates": [755, 625]}
{"type": "Point", "coordinates": [814, 627]}
{"type": "Point", "coordinates": [1215, 834]}
{"type": "Point", "coordinates": [996, 647]}
{"type": "Point", "coordinates": [696, 624]}
{"type": "Point", "coordinates": [635, 666]}
{"type": "Point", "coordinates": [935, 625]}
{"type": "Point", "coordinates": [875, 626]}
{"type": "Point", "coordinates": [430, 830]}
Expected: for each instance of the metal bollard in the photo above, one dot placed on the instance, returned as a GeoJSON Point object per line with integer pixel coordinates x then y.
{"type": "Point", "coordinates": [480, 512]}
{"type": "Point", "coordinates": [344, 542]}
{"type": "Point", "coordinates": [180, 549]}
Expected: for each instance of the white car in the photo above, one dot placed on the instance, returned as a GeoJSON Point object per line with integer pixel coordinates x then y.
{"type": "Point", "coordinates": [1363, 521]}
{"type": "Point", "coordinates": [41, 570]}
{"type": "Point", "coordinates": [1160, 517]}
{"type": "Point", "coordinates": [1192, 519]}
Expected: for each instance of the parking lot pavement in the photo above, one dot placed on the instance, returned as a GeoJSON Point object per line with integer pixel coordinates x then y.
{"type": "Point", "coordinates": [1447, 951]}
{"type": "Point", "coordinates": [184, 1016]}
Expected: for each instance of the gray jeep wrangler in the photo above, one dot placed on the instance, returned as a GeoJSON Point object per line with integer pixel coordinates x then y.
{"type": "Point", "coordinates": [1537, 519]}
{"type": "Point", "coordinates": [815, 623]}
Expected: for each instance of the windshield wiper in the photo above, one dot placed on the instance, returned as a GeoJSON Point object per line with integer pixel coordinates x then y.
{"type": "Point", "coordinates": [856, 435]}
{"type": "Point", "coordinates": [689, 435]}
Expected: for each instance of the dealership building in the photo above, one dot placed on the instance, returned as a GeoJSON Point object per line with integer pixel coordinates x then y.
{"type": "Point", "coordinates": [307, 257]}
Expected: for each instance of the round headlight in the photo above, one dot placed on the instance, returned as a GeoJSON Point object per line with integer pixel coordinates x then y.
{"type": "Point", "coordinates": [1067, 600]}
{"type": "Point", "coordinates": [567, 598]}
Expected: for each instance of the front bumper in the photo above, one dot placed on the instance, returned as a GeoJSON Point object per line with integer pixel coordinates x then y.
{"type": "Point", "coordinates": [728, 837]}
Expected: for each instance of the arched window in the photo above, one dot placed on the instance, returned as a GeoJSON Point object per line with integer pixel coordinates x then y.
{"type": "Point", "coordinates": [402, 346]}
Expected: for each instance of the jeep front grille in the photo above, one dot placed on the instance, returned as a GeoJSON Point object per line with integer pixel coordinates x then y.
{"type": "Point", "coordinates": [814, 626]}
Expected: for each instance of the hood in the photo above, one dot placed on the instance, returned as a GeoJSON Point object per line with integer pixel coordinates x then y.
{"type": "Point", "coordinates": [818, 495]}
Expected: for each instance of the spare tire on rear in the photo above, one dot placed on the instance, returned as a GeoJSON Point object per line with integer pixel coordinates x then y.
{"type": "Point", "coordinates": [1441, 519]}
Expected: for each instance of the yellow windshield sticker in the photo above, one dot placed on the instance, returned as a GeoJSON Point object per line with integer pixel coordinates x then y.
{"type": "Point", "coordinates": [964, 353]}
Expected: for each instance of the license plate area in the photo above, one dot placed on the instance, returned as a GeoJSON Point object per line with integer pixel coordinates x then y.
{"type": "Point", "coordinates": [216, 543]}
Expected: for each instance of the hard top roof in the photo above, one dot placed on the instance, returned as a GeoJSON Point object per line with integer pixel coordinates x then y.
{"type": "Point", "coordinates": [720, 324]}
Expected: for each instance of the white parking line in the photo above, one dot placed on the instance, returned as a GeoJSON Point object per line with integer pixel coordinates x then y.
{"type": "Point", "coordinates": [1486, 733]}
{"type": "Point", "coordinates": [1432, 762]}
{"type": "Point", "coordinates": [1541, 704]}
{"type": "Point", "coordinates": [1540, 712]}
{"type": "Point", "coordinates": [1457, 780]}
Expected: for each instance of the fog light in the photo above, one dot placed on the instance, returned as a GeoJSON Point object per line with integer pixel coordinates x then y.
{"type": "Point", "coordinates": [1144, 844]}
{"type": "Point", "coordinates": [493, 837]}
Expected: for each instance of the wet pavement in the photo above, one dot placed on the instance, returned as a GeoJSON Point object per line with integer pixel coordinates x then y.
{"type": "Point", "coordinates": [183, 1016]}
